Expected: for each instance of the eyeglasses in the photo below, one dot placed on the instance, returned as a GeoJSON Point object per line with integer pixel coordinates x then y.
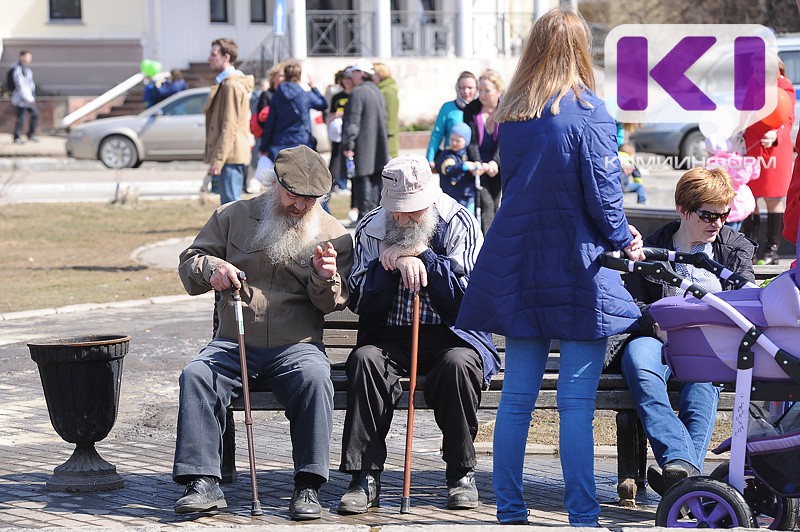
{"type": "Point", "coordinates": [711, 216]}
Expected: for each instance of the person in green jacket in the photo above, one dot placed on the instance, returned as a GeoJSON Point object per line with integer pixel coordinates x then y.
{"type": "Point", "coordinates": [388, 86]}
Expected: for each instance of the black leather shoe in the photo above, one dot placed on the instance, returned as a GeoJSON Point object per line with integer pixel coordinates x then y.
{"type": "Point", "coordinates": [655, 479]}
{"type": "Point", "coordinates": [304, 504]}
{"type": "Point", "coordinates": [201, 495]}
{"type": "Point", "coordinates": [462, 494]}
{"type": "Point", "coordinates": [677, 470]}
{"type": "Point", "coordinates": [364, 492]}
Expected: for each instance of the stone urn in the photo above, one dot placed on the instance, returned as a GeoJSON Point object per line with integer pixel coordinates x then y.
{"type": "Point", "coordinates": [81, 379]}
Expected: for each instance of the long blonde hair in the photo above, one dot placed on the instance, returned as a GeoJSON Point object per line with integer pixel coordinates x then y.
{"type": "Point", "coordinates": [554, 61]}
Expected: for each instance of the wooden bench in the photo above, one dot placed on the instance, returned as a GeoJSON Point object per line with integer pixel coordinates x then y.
{"type": "Point", "coordinates": [612, 395]}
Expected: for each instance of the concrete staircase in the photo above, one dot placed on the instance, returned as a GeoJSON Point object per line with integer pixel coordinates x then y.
{"type": "Point", "coordinates": [197, 75]}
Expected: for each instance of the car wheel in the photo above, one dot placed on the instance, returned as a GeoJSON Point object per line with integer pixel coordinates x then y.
{"type": "Point", "coordinates": [118, 151]}
{"type": "Point", "coordinates": [692, 150]}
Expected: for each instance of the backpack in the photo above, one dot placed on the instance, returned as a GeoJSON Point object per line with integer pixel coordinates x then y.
{"type": "Point", "coordinates": [257, 121]}
{"type": "Point", "coordinates": [10, 85]}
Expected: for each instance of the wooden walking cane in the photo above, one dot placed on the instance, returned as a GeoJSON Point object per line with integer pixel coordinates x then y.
{"type": "Point", "coordinates": [248, 419]}
{"type": "Point", "coordinates": [405, 503]}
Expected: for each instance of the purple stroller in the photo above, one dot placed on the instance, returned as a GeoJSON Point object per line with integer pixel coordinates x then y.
{"type": "Point", "coordinates": [743, 337]}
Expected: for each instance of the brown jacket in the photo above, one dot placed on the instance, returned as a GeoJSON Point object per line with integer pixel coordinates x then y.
{"type": "Point", "coordinates": [228, 121]}
{"type": "Point", "coordinates": [282, 304]}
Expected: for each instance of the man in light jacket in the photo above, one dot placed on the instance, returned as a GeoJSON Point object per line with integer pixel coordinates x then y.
{"type": "Point", "coordinates": [296, 258]}
{"type": "Point", "coordinates": [24, 97]}
{"type": "Point", "coordinates": [228, 121]}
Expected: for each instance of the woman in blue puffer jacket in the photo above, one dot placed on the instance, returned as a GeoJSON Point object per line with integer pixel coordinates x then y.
{"type": "Point", "coordinates": [538, 276]}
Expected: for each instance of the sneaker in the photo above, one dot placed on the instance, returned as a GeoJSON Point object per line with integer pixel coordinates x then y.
{"type": "Point", "coordinates": [19, 141]}
{"type": "Point", "coordinates": [201, 495]}
{"type": "Point", "coordinates": [353, 215]}
{"type": "Point", "coordinates": [33, 138]}
{"type": "Point", "coordinates": [462, 494]}
{"type": "Point", "coordinates": [364, 492]}
{"type": "Point", "coordinates": [304, 504]}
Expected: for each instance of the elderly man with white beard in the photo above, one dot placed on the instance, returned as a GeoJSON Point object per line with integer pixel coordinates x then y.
{"type": "Point", "coordinates": [296, 259]}
{"type": "Point", "coordinates": [418, 240]}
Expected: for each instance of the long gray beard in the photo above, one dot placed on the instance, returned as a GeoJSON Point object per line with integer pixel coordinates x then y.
{"type": "Point", "coordinates": [284, 238]}
{"type": "Point", "coordinates": [409, 236]}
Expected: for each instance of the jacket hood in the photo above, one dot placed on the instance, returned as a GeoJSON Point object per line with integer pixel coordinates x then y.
{"type": "Point", "coordinates": [247, 81]}
{"type": "Point", "coordinates": [290, 89]}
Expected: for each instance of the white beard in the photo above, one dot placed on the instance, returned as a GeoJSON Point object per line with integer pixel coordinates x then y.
{"type": "Point", "coordinates": [283, 237]}
{"type": "Point", "coordinates": [413, 234]}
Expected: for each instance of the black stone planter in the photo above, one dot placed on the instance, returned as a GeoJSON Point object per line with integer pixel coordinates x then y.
{"type": "Point", "coordinates": [81, 379]}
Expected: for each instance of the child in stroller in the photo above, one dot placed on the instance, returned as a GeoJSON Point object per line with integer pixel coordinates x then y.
{"type": "Point", "coordinates": [747, 338]}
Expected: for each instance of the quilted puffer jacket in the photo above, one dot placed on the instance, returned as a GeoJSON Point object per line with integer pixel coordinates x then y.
{"type": "Point", "coordinates": [538, 273]}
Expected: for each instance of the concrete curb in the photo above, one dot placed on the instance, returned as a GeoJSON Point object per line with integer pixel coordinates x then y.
{"type": "Point", "coordinates": [83, 307]}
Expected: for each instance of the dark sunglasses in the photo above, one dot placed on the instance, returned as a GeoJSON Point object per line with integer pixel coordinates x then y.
{"type": "Point", "coordinates": [711, 216]}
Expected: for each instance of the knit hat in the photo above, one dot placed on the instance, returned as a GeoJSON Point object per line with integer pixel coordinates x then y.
{"type": "Point", "coordinates": [462, 130]}
{"type": "Point", "coordinates": [408, 184]}
{"type": "Point", "coordinates": [303, 172]}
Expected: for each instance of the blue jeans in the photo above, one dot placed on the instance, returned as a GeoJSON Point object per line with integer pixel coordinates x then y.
{"type": "Point", "coordinates": [579, 373]}
{"type": "Point", "coordinates": [684, 436]}
{"type": "Point", "coordinates": [231, 182]}
{"type": "Point", "coordinates": [633, 186]}
{"type": "Point", "coordinates": [32, 122]}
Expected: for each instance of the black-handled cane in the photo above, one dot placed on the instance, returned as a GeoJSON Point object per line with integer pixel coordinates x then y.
{"type": "Point", "coordinates": [405, 502]}
{"type": "Point", "coordinates": [248, 419]}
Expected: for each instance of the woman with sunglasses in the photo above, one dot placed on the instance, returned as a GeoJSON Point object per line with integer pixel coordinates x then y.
{"type": "Point", "coordinates": [680, 441]}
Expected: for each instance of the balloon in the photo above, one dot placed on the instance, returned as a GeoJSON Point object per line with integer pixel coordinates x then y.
{"type": "Point", "coordinates": [149, 67]}
{"type": "Point", "coordinates": [782, 111]}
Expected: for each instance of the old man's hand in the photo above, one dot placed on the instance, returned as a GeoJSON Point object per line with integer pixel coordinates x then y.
{"type": "Point", "coordinates": [413, 272]}
{"type": "Point", "coordinates": [225, 277]}
{"type": "Point", "coordinates": [388, 257]}
{"type": "Point", "coordinates": [324, 261]}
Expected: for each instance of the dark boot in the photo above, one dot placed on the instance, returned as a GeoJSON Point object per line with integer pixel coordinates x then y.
{"type": "Point", "coordinates": [304, 504]}
{"type": "Point", "coordinates": [677, 470]}
{"type": "Point", "coordinates": [774, 230]}
{"type": "Point", "coordinates": [462, 494]}
{"type": "Point", "coordinates": [751, 226]}
{"type": "Point", "coordinates": [201, 495]}
{"type": "Point", "coordinates": [655, 480]}
{"type": "Point", "coordinates": [364, 492]}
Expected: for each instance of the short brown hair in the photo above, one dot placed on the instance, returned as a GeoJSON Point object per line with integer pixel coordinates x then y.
{"type": "Point", "coordinates": [227, 46]}
{"type": "Point", "coordinates": [292, 71]}
{"type": "Point", "coordinates": [698, 186]}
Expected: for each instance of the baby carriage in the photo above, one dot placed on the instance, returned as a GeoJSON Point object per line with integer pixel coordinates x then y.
{"type": "Point", "coordinates": [748, 338]}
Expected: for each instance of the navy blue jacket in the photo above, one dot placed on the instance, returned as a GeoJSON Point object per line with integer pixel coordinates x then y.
{"type": "Point", "coordinates": [538, 274]}
{"type": "Point", "coordinates": [289, 123]}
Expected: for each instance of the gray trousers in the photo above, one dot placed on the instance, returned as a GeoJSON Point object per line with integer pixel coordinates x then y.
{"type": "Point", "coordinates": [298, 374]}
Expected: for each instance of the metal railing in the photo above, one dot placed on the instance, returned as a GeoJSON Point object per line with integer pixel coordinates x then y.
{"type": "Point", "coordinates": [500, 34]}
{"type": "Point", "coordinates": [340, 33]}
{"type": "Point", "coordinates": [423, 33]}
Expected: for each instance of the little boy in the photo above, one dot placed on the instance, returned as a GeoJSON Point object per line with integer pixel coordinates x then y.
{"type": "Point", "coordinates": [457, 175]}
{"type": "Point", "coordinates": [630, 177]}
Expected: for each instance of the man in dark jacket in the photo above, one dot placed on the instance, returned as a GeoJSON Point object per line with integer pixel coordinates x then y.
{"type": "Point", "coordinates": [420, 240]}
{"type": "Point", "coordinates": [680, 442]}
{"type": "Point", "coordinates": [289, 124]}
{"type": "Point", "coordinates": [364, 136]}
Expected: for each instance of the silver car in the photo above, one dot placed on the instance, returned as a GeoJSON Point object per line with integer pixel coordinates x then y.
{"type": "Point", "coordinates": [171, 130]}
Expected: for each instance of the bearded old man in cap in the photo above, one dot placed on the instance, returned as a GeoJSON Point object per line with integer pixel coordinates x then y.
{"type": "Point", "coordinates": [419, 240]}
{"type": "Point", "coordinates": [296, 259]}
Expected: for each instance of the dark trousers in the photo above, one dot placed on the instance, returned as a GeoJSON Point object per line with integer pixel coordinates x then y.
{"type": "Point", "coordinates": [300, 376]}
{"type": "Point", "coordinates": [454, 373]}
{"type": "Point", "coordinates": [34, 120]}
{"type": "Point", "coordinates": [367, 192]}
{"type": "Point", "coordinates": [490, 200]}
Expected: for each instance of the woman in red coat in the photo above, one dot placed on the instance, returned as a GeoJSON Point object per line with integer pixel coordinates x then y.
{"type": "Point", "coordinates": [775, 148]}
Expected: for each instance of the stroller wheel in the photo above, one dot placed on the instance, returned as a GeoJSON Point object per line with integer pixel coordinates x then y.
{"type": "Point", "coordinates": [701, 502]}
{"type": "Point", "coordinates": [770, 509]}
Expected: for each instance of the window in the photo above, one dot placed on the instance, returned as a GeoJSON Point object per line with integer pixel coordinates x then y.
{"type": "Point", "coordinates": [258, 10]}
{"type": "Point", "coordinates": [219, 10]}
{"type": "Point", "coordinates": [65, 9]}
{"type": "Point", "coordinates": [190, 105]}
